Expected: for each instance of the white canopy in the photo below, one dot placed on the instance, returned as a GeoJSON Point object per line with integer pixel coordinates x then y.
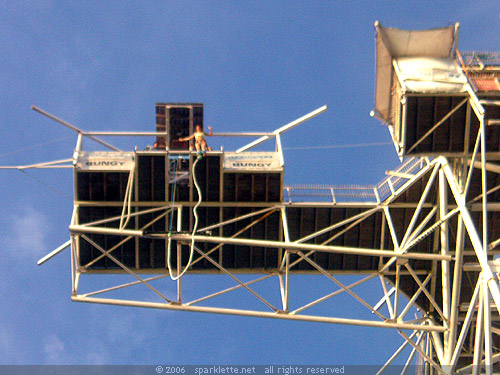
{"type": "Point", "coordinates": [394, 43]}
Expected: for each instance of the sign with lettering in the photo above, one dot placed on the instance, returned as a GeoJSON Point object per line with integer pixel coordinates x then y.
{"type": "Point", "coordinates": [105, 161]}
{"type": "Point", "coordinates": [252, 161]}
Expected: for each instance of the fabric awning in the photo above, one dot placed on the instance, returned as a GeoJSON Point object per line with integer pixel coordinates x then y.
{"type": "Point", "coordinates": [396, 43]}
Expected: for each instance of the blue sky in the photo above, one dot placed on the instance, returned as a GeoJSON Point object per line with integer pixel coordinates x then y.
{"type": "Point", "coordinates": [256, 66]}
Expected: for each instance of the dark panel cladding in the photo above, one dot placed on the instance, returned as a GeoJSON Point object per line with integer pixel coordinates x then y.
{"type": "Point", "coordinates": [248, 257]}
{"type": "Point", "coordinates": [90, 256]}
{"type": "Point", "coordinates": [101, 186]}
{"type": "Point", "coordinates": [152, 188]}
{"type": "Point", "coordinates": [423, 112]}
{"type": "Point", "coordinates": [208, 177]}
{"type": "Point", "coordinates": [152, 252]}
{"type": "Point", "coordinates": [274, 187]}
{"type": "Point", "coordinates": [492, 132]}
{"type": "Point", "coordinates": [230, 187]}
{"type": "Point", "coordinates": [207, 216]}
{"type": "Point", "coordinates": [151, 178]}
{"type": "Point", "coordinates": [252, 187]}
{"type": "Point", "coordinates": [303, 221]}
{"type": "Point", "coordinates": [177, 120]}
{"type": "Point", "coordinates": [181, 191]}
{"type": "Point", "coordinates": [451, 137]}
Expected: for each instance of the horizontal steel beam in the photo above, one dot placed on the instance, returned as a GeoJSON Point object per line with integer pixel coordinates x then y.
{"type": "Point", "coordinates": [339, 205]}
{"type": "Point", "coordinates": [261, 243]}
{"type": "Point", "coordinates": [292, 246]}
{"type": "Point", "coordinates": [242, 271]}
{"type": "Point", "coordinates": [100, 230]}
{"type": "Point", "coordinates": [162, 134]}
{"type": "Point", "coordinates": [259, 314]}
{"type": "Point", "coordinates": [363, 204]}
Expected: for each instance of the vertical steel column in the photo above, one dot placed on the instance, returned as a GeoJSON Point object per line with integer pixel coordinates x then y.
{"type": "Point", "coordinates": [279, 148]}
{"type": "Point", "coordinates": [79, 143]}
{"type": "Point", "coordinates": [77, 262]}
{"type": "Point", "coordinates": [73, 265]}
{"type": "Point", "coordinates": [445, 265]}
{"type": "Point", "coordinates": [487, 329]}
{"type": "Point", "coordinates": [473, 235]}
{"type": "Point", "coordinates": [466, 324]}
{"type": "Point", "coordinates": [75, 248]}
{"type": "Point", "coordinates": [136, 200]}
{"type": "Point", "coordinates": [484, 184]}
{"type": "Point", "coordinates": [455, 293]}
{"type": "Point", "coordinates": [463, 177]}
{"type": "Point", "coordinates": [179, 256]}
{"type": "Point", "coordinates": [285, 292]}
{"type": "Point", "coordinates": [402, 143]}
{"type": "Point", "coordinates": [478, 343]}
{"type": "Point", "coordinates": [396, 291]}
{"type": "Point", "coordinates": [486, 293]}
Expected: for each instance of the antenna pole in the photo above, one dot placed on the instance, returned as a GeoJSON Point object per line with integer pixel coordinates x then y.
{"type": "Point", "coordinates": [54, 253]}
{"type": "Point", "coordinates": [284, 128]}
{"type": "Point", "coordinates": [72, 127]}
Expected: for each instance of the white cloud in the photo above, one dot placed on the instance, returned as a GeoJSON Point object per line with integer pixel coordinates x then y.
{"type": "Point", "coordinates": [120, 330]}
{"type": "Point", "coordinates": [97, 354]}
{"type": "Point", "coordinates": [28, 231]}
{"type": "Point", "coordinates": [54, 349]}
{"type": "Point", "coordinates": [126, 329]}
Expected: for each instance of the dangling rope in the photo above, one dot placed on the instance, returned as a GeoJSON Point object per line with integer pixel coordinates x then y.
{"type": "Point", "coordinates": [127, 206]}
{"type": "Point", "coordinates": [195, 228]}
{"type": "Point", "coordinates": [172, 196]}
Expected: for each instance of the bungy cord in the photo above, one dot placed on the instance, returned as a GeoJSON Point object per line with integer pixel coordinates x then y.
{"type": "Point", "coordinates": [195, 213]}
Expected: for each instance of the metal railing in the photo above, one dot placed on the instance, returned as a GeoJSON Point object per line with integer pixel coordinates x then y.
{"type": "Point", "coordinates": [356, 193]}
{"type": "Point", "coordinates": [480, 58]}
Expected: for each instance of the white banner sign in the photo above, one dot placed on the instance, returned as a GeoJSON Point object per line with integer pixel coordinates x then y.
{"type": "Point", "coordinates": [105, 161]}
{"type": "Point", "coordinates": [252, 161]}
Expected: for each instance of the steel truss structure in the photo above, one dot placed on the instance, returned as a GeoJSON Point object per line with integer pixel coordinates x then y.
{"type": "Point", "coordinates": [438, 334]}
{"type": "Point", "coordinates": [427, 236]}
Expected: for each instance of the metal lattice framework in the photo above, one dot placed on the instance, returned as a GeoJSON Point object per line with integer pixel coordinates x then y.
{"type": "Point", "coordinates": [439, 330]}
{"type": "Point", "coordinates": [442, 329]}
{"type": "Point", "coordinates": [431, 250]}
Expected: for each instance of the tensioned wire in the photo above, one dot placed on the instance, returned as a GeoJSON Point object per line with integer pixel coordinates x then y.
{"type": "Point", "coordinates": [373, 144]}
{"type": "Point", "coordinates": [344, 146]}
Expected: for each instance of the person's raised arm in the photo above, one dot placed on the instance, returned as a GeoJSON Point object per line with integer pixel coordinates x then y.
{"type": "Point", "coordinates": [209, 134]}
{"type": "Point", "coordinates": [186, 138]}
